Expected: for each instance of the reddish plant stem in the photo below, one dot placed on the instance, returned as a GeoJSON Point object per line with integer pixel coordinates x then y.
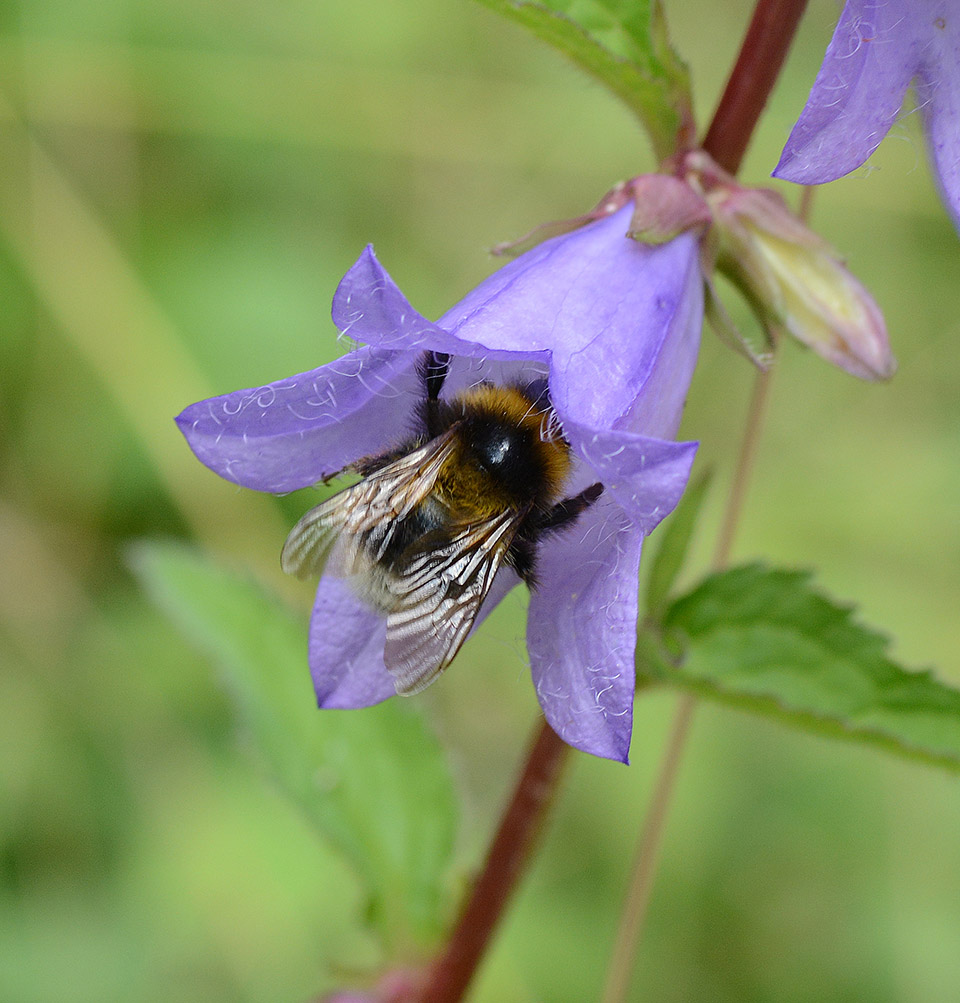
{"type": "Point", "coordinates": [764, 49]}
{"type": "Point", "coordinates": [506, 858]}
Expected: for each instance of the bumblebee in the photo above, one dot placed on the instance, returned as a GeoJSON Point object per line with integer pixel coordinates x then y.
{"type": "Point", "coordinates": [425, 531]}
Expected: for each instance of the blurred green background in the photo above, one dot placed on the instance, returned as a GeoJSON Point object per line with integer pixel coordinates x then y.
{"type": "Point", "coordinates": [181, 187]}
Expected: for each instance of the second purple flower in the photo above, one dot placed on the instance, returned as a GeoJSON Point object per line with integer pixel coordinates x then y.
{"type": "Point", "coordinates": [878, 48]}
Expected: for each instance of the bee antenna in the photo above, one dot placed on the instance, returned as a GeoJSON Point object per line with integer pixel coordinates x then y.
{"type": "Point", "coordinates": [434, 367]}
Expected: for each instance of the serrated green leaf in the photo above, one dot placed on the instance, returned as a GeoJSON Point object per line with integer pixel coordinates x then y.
{"type": "Point", "coordinates": [373, 782]}
{"type": "Point", "coordinates": [674, 539]}
{"type": "Point", "coordinates": [765, 640]}
{"type": "Point", "coordinates": [624, 44]}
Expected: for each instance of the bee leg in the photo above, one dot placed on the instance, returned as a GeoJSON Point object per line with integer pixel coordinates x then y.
{"type": "Point", "coordinates": [433, 371]}
{"type": "Point", "coordinates": [436, 365]}
{"type": "Point", "coordinates": [368, 465]}
{"type": "Point", "coordinates": [564, 512]}
{"type": "Point", "coordinates": [522, 556]}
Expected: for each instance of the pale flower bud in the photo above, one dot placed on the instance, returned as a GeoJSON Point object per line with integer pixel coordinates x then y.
{"type": "Point", "coordinates": [797, 281]}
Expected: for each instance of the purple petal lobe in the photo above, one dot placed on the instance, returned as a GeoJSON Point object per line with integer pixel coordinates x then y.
{"type": "Point", "coordinates": [634, 371]}
{"type": "Point", "coordinates": [605, 306]}
{"type": "Point", "coordinates": [347, 641]}
{"type": "Point", "coordinates": [581, 631]}
{"type": "Point", "coordinates": [346, 649]}
{"type": "Point", "coordinates": [645, 476]}
{"type": "Point", "coordinates": [857, 93]}
{"type": "Point", "coordinates": [368, 306]}
{"type": "Point", "coordinates": [545, 299]}
{"type": "Point", "coordinates": [294, 432]}
{"type": "Point", "coordinates": [938, 95]}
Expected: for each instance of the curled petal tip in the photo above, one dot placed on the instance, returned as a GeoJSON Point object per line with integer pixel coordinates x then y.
{"type": "Point", "coordinates": [877, 49]}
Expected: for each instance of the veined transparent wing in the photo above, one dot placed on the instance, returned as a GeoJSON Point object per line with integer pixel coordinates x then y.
{"type": "Point", "coordinates": [439, 592]}
{"type": "Point", "coordinates": [376, 502]}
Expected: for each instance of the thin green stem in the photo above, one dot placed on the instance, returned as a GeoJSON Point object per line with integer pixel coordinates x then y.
{"type": "Point", "coordinates": [633, 915]}
{"type": "Point", "coordinates": [746, 460]}
{"type": "Point", "coordinates": [646, 857]}
{"type": "Point", "coordinates": [762, 53]}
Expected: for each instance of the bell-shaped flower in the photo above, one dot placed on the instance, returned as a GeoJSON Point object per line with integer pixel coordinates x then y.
{"type": "Point", "coordinates": [614, 326]}
{"type": "Point", "coordinates": [878, 48]}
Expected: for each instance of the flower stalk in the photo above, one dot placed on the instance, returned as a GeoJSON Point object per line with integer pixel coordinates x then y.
{"type": "Point", "coordinates": [768, 38]}
{"type": "Point", "coordinates": [505, 864]}
{"type": "Point", "coordinates": [765, 45]}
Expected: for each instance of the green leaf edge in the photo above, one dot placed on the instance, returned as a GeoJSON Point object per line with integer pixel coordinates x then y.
{"type": "Point", "coordinates": [655, 666]}
{"type": "Point", "coordinates": [663, 103]}
{"type": "Point", "coordinates": [416, 933]}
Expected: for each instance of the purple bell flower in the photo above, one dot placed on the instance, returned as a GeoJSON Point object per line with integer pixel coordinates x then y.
{"type": "Point", "coordinates": [878, 48]}
{"type": "Point", "coordinates": [614, 325]}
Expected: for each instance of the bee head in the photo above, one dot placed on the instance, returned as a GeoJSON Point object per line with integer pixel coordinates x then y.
{"type": "Point", "coordinates": [506, 435]}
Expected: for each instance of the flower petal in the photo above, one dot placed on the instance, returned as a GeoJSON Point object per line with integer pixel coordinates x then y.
{"type": "Point", "coordinates": [581, 631]}
{"type": "Point", "coordinates": [346, 649]}
{"type": "Point", "coordinates": [347, 641]}
{"type": "Point", "coordinates": [635, 372]}
{"type": "Point", "coordinates": [294, 432]}
{"type": "Point", "coordinates": [645, 476]}
{"type": "Point", "coordinates": [604, 305]}
{"type": "Point", "coordinates": [857, 93]}
{"type": "Point", "coordinates": [613, 312]}
{"type": "Point", "coordinates": [938, 95]}
{"type": "Point", "coordinates": [368, 306]}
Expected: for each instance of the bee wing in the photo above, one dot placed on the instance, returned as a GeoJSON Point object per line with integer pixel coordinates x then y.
{"type": "Point", "coordinates": [438, 595]}
{"type": "Point", "coordinates": [371, 506]}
